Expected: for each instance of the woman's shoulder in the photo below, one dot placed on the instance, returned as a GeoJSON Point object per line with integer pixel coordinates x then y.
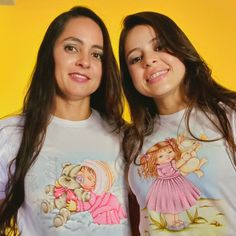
{"type": "Point", "coordinates": [229, 111]}
{"type": "Point", "coordinates": [11, 125]}
{"type": "Point", "coordinates": [12, 121]}
{"type": "Point", "coordinates": [100, 122]}
{"type": "Point", "coordinates": [226, 109]}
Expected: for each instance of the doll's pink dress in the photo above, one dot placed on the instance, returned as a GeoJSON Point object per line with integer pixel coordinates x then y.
{"type": "Point", "coordinates": [171, 192]}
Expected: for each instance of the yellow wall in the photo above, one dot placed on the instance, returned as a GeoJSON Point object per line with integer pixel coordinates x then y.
{"type": "Point", "coordinates": [210, 25]}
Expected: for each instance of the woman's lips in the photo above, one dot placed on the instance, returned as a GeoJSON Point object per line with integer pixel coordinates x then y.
{"type": "Point", "coordinates": [78, 77]}
{"type": "Point", "coordinates": [157, 75]}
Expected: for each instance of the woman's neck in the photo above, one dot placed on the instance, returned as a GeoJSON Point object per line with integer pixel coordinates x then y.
{"type": "Point", "coordinates": [171, 109]}
{"type": "Point", "coordinates": [170, 105]}
{"type": "Point", "coordinates": [71, 110]}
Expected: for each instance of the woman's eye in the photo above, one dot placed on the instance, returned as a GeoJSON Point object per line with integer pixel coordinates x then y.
{"type": "Point", "coordinates": [158, 48]}
{"type": "Point", "coordinates": [97, 55]}
{"type": "Point", "coordinates": [135, 60]}
{"type": "Point", "coordinates": [70, 48]}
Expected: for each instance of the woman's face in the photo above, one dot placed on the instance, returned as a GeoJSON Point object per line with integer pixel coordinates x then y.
{"type": "Point", "coordinates": [154, 73]}
{"type": "Point", "coordinates": [78, 56]}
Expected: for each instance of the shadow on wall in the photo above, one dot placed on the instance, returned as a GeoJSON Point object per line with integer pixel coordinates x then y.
{"type": "Point", "coordinates": [7, 2]}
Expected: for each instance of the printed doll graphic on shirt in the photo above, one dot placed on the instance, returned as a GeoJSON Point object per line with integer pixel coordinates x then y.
{"type": "Point", "coordinates": [84, 188]}
{"type": "Point", "coordinates": [171, 193]}
{"type": "Point", "coordinates": [177, 198]}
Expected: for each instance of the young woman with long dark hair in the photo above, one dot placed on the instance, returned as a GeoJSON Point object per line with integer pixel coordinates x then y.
{"type": "Point", "coordinates": [181, 140]}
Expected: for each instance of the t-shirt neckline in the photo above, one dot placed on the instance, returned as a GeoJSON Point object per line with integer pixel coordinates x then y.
{"type": "Point", "coordinates": [70, 123]}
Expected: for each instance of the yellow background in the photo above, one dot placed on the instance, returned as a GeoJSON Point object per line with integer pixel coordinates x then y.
{"type": "Point", "coordinates": [210, 25]}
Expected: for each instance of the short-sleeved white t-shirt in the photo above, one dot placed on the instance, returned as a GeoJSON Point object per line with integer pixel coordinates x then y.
{"type": "Point", "coordinates": [185, 186]}
{"type": "Point", "coordinates": [76, 186]}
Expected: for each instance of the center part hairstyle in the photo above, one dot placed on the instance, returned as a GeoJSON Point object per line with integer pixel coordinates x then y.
{"type": "Point", "coordinates": [38, 104]}
{"type": "Point", "coordinates": [200, 90]}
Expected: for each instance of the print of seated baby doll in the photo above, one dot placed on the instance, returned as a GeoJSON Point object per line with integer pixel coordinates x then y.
{"type": "Point", "coordinates": [170, 193]}
{"type": "Point", "coordinates": [94, 178]}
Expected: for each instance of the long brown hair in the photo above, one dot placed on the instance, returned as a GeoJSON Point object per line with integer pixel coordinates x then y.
{"type": "Point", "coordinates": [107, 100]}
{"type": "Point", "coordinates": [202, 91]}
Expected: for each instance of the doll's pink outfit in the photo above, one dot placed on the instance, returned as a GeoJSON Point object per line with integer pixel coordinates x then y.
{"type": "Point", "coordinates": [104, 208]}
{"type": "Point", "coordinates": [171, 192]}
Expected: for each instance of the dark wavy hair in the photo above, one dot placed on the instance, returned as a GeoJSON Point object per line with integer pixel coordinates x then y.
{"type": "Point", "coordinates": [37, 108]}
{"type": "Point", "coordinates": [202, 91]}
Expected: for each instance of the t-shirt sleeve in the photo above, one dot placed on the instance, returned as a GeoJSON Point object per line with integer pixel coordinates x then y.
{"type": "Point", "coordinates": [231, 114]}
{"type": "Point", "coordinates": [10, 139]}
{"type": "Point", "coordinates": [232, 119]}
{"type": "Point", "coordinates": [4, 157]}
{"type": "Point", "coordinates": [233, 125]}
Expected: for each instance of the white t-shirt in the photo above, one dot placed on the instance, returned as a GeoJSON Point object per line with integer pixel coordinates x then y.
{"type": "Point", "coordinates": [185, 186]}
{"type": "Point", "coordinates": [76, 186]}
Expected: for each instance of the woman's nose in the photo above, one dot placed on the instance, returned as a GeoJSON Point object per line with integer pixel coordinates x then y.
{"type": "Point", "coordinates": [150, 59]}
{"type": "Point", "coordinates": [83, 60]}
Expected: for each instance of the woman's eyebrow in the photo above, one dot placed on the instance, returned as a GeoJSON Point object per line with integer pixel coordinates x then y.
{"type": "Point", "coordinates": [138, 48]}
{"type": "Point", "coordinates": [81, 42]}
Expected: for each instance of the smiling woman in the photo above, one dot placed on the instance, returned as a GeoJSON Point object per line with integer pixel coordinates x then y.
{"type": "Point", "coordinates": [181, 144]}
{"type": "Point", "coordinates": [59, 157]}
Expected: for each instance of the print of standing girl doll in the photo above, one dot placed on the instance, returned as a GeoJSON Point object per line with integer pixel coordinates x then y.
{"type": "Point", "coordinates": [171, 193]}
